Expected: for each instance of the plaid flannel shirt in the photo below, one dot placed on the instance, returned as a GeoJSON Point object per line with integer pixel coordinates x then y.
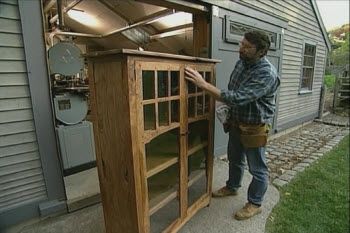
{"type": "Point", "coordinates": [252, 92]}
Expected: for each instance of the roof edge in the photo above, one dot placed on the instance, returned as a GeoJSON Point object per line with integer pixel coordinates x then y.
{"type": "Point", "coordinates": [320, 22]}
{"type": "Point", "coordinates": [240, 7]}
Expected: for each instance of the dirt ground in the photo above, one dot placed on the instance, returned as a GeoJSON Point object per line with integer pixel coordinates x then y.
{"type": "Point", "coordinates": [328, 104]}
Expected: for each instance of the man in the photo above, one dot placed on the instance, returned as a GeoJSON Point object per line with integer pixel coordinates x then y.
{"type": "Point", "coordinates": [251, 97]}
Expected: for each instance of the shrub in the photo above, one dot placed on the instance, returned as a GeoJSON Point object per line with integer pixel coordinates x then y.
{"type": "Point", "coordinates": [329, 82]}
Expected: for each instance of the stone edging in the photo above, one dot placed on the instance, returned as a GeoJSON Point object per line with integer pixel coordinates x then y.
{"type": "Point", "coordinates": [288, 175]}
{"type": "Point", "coordinates": [331, 123]}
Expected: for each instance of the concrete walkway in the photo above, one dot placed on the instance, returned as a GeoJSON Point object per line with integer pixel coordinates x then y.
{"type": "Point", "coordinates": [287, 155]}
{"type": "Point", "coordinates": [215, 218]}
{"type": "Point", "coordinates": [218, 216]}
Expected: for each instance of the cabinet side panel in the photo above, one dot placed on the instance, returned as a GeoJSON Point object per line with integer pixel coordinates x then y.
{"type": "Point", "coordinates": [113, 140]}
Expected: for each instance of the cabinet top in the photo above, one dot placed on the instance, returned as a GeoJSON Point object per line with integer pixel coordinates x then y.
{"type": "Point", "coordinates": [149, 54]}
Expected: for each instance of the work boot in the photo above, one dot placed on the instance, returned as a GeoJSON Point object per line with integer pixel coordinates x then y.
{"type": "Point", "coordinates": [248, 211]}
{"type": "Point", "coordinates": [223, 192]}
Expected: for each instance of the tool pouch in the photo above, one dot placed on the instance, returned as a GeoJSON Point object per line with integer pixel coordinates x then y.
{"type": "Point", "coordinates": [253, 136]}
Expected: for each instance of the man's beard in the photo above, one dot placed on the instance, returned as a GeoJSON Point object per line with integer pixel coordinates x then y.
{"type": "Point", "coordinates": [247, 59]}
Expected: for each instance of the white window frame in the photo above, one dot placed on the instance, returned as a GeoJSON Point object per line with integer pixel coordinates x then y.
{"type": "Point", "coordinates": [305, 90]}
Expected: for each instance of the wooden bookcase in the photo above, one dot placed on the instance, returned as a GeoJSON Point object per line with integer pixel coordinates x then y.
{"type": "Point", "coordinates": [154, 138]}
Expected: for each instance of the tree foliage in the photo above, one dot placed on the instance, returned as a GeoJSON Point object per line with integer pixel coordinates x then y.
{"type": "Point", "coordinates": [340, 43]}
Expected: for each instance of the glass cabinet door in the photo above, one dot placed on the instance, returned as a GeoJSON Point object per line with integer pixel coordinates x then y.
{"type": "Point", "coordinates": [160, 101]}
{"type": "Point", "coordinates": [199, 104]}
{"type": "Point", "coordinates": [169, 151]}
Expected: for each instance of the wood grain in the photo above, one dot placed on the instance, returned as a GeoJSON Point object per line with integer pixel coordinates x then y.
{"type": "Point", "coordinates": [114, 142]}
{"type": "Point", "coordinates": [130, 179]}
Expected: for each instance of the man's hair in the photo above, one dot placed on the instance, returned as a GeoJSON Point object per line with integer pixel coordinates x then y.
{"type": "Point", "coordinates": [258, 38]}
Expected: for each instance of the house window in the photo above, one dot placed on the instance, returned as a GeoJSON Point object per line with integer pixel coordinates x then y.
{"type": "Point", "coordinates": [235, 32]}
{"type": "Point", "coordinates": [308, 67]}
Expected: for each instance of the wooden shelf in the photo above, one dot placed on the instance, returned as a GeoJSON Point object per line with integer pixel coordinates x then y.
{"type": "Point", "coordinates": [198, 118]}
{"type": "Point", "coordinates": [162, 152]}
{"type": "Point", "coordinates": [163, 187]}
{"type": "Point", "coordinates": [195, 176]}
{"type": "Point", "coordinates": [197, 186]}
{"type": "Point", "coordinates": [162, 199]}
{"type": "Point", "coordinates": [156, 164]}
{"type": "Point", "coordinates": [151, 133]}
{"type": "Point", "coordinates": [196, 148]}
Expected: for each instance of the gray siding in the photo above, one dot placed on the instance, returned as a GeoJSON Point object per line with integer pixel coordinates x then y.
{"type": "Point", "coordinates": [228, 51]}
{"type": "Point", "coordinates": [21, 176]}
{"type": "Point", "coordinates": [302, 27]}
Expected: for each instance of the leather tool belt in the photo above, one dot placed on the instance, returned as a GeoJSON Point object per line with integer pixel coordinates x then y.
{"type": "Point", "coordinates": [251, 136]}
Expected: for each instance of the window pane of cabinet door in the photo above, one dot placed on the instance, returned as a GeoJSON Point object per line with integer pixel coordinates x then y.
{"type": "Point", "coordinates": [199, 104]}
{"type": "Point", "coordinates": [163, 179]}
{"type": "Point", "coordinates": [149, 117]}
{"type": "Point", "coordinates": [148, 84]}
{"type": "Point", "coordinates": [160, 96]}
{"type": "Point", "coordinates": [163, 83]}
{"type": "Point", "coordinates": [175, 82]}
{"type": "Point", "coordinates": [163, 113]}
{"type": "Point", "coordinates": [198, 132]}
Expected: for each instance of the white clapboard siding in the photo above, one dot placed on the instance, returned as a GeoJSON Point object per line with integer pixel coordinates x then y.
{"type": "Point", "coordinates": [15, 192]}
{"type": "Point", "coordinates": [12, 79]}
{"type": "Point", "coordinates": [18, 149]}
{"type": "Point", "coordinates": [19, 158]}
{"type": "Point", "coordinates": [7, 179]}
{"type": "Point", "coordinates": [15, 139]}
{"type": "Point", "coordinates": [9, 92]}
{"type": "Point", "coordinates": [11, 39]}
{"type": "Point", "coordinates": [16, 127]}
{"type": "Point", "coordinates": [9, 10]}
{"type": "Point", "coordinates": [26, 189]}
{"type": "Point", "coordinates": [10, 25]}
{"type": "Point", "coordinates": [12, 54]}
{"type": "Point", "coordinates": [21, 175]}
{"type": "Point", "coordinates": [15, 103]}
{"type": "Point", "coordinates": [16, 115]}
{"type": "Point", "coordinates": [19, 191]}
{"type": "Point", "coordinates": [12, 66]}
{"type": "Point", "coordinates": [12, 169]}
{"type": "Point", "coordinates": [9, 2]}
{"type": "Point", "coordinates": [25, 197]}
{"type": "Point", "coordinates": [303, 26]}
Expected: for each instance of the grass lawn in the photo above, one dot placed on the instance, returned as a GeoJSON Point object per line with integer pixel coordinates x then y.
{"type": "Point", "coordinates": [317, 200]}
